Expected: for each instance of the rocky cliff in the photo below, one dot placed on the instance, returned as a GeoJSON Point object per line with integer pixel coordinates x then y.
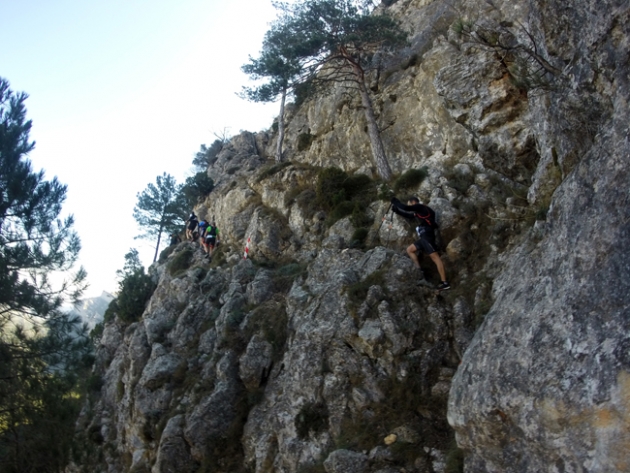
{"type": "Point", "coordinates": [321, 353]}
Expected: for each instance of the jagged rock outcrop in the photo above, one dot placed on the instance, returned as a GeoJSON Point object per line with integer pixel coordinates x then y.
{"type": "Point", "coordinates": [320, 353]}
{"type": "Point", "coordinates": [544, 385]}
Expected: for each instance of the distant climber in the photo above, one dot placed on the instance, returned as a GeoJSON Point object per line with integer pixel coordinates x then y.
{"type": "Point", "coordinates": [191, 225]}
{"type": "Point", "coordinates": [211, 239]}
{"type": "Point", "coordinates": [425, 230]}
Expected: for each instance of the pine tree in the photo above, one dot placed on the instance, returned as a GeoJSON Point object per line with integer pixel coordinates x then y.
{"type": "Point", "coordinates": [336, 41]}
{"type": "Point", "coordinates": [43, 352]}
{"type": "Point", "coordinates": [194, 189]}
{"type": "Point", "coordinates": [280, 63]}
{"type": "Point", "coordinates": [159, 210]}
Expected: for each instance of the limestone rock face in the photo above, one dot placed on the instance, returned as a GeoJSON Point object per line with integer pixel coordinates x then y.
{"type": "Point", "coordinates": [320, 351]}
{"type": "Point", "coordinates": [544, 383]}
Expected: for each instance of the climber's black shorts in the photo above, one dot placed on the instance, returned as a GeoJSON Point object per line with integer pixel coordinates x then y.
{"type": "Point", "coordinates": [426, 244]}
{"type": "Point", "coordinates": [211, 241]}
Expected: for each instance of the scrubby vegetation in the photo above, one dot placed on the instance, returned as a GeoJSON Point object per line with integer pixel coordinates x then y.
{"type": "Point", "coordinates": [340, 195]}
{"type": "Point", "coordinates": [135, 289]}
{"type": "Point", "coordinates": [410, 179]}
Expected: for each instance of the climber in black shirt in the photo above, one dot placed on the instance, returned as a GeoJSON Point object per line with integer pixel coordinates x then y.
{"type": "Point", "coordinates": [191, 226]}
{"type": "Point", "coordinates": [425, 230]}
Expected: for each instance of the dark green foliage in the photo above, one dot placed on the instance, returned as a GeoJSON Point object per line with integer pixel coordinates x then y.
{"type": "Point", "coordinates": [338, 33]}
{"type": "Point", "coordinates": [359, 218]}
{"type": "Point", "coordinates": [165, 253]}
{"type": "Point", "coordinates": [159, 209]}
{"type": "Point", "coordinates": [180, 262]}
{"type": "Point", "coordinates": [97, 333]}
{"type": "Point", "coordinates": [206, 156]}
{"type": "Point", "coordinates": [336, 41]}
{"type": "Point", "coordinates": [273, 169]}
{"type": "Point", "coordinates": [306, 199]}
{"type": "Point", "coordinates": [45, 354]}
{"type": "Point", "coordinates": [302, 92]}
{"type": "Point", "coordinates": [38, 428]}
{"type": "Point", "coordinates": [194, 189]}
{"type": "Point", "coordinates": [313, 417]}
{"type": "Point", "coordinates": [270, 319]}
{"type": "Point", "coordinates": [410, 179]}
{"type": "Point", "coordinates": [34, 241]}
{"type": "Point", "coordinates": [135, 291]}
{"type": "Point", "coordinates": [280, 65]}
{"type": "Point", "coordinates": [342, 195]}
{"type": "Point", "coordinates": [330, 189]}
{"type": "Point", "coordinates": [94, 383]}
{"type": "Point", "coordinates": [359, 433]}
{"type": "Point", "coordinates": [339, 211]}
{"type": "Point", "coordinates": [304, 141]}
{"type": "Point", "coordinates": [358, 237]}
{"type": "Point", "coordinates": [402, 403]}
{"type": "Point", "coordinates": [454, 459]}
{"type": "Point", "coordinates": [335, 186]}
{"type": "Point", "coordinates": [135, 288]}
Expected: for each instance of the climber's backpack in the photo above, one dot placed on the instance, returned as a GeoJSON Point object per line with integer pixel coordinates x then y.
{"type": "Point", "coordinates": [428, 219]}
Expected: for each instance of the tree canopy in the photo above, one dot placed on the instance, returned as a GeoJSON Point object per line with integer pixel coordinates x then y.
{"type": "Point", "coordinates": [195, 188]}
{"type": "Point", "coordinates": [207, 154]}
{"type": "Point", "coordinates": [135, 288]}
{"type": "Point", "coordinates": [44, 353]}
{"type": "Point", "coordinates": [280, 64]}
{"type": "Point", "coordinates": [324, 41]}
{"type": "Point", "coordinates": [159, 209]}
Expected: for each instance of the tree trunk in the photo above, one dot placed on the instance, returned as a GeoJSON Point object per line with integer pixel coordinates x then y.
{"type": "Point", "coordinates": [157, 247]}
{"type": "Point", "coordinates": [378, 151]}
{"type": "Point", "coordinates": [281, 127]}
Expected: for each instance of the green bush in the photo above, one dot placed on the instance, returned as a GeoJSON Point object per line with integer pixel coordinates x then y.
{"type": "Point", "coordinates": [410, 179]}
{"type": "Point", "coordinates": [330, 189]}
{"type": "Point", "coordinates": [165, 253]}
{"type": "Point", "coordinates": [180, 262]}
{"type": "Point", "coordinates": [97, 333]}
{"type": "Point", "coordinates": [358, 237]}
{"type": "Point", "coordinates": [341, 210]}
{"type": "Point", "coordinates": [303, 91]}
{"type": "Point", "coordinates": [304, 141]}
{"type": "Point", "coordinates": [196, 188]}
{"type": "Point", "coordinates": [273, 169]}
{"type": "Point", "coordinates": [135, 291]}
{"type": "Point", "coordinates": [359, 218]}
{"type": "Point", "coordinates": [341, 195]}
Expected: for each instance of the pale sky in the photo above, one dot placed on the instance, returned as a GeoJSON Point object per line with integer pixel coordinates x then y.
{"type": "Point", "coordinates": [122, 91]}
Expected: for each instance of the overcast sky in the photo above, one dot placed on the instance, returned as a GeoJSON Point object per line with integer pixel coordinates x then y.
{"type": "Point", "coordinates": [122, 91]}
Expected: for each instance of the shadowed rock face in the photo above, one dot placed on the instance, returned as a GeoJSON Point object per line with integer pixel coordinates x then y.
{"type": "Point", "coordinates": [544, 386]}
{"type": "Point", "coordinates": [311, 353]}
